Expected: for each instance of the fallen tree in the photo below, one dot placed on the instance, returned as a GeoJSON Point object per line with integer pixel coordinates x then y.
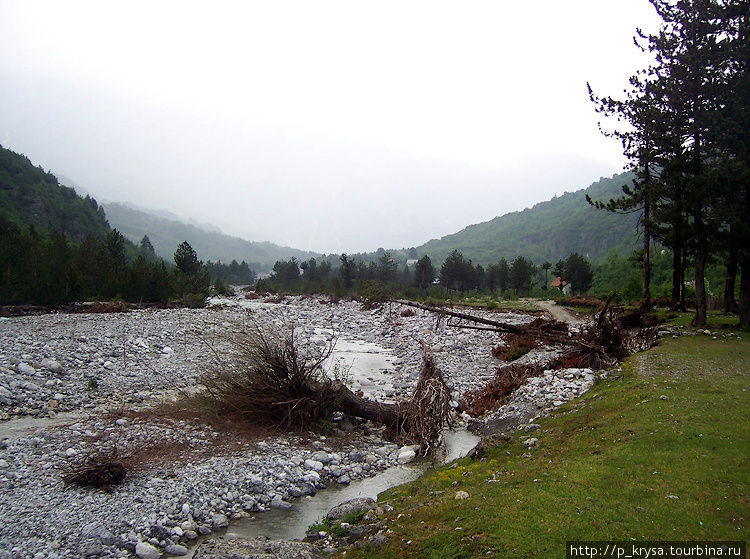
{"type": "Point", "coordinates": [268, 377]}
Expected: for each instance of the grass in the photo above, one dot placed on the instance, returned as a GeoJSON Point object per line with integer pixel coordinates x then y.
{"type": "Point", "coordinates": [658, 451]}
{"type": "Point", "coordinates": [714, 319]}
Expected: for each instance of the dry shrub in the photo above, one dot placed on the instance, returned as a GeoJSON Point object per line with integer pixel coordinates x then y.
{"type": "Point", "coordinates": [408, 312]}
{"type": "Point", "coordinates": [581, 302]}
{"type": "Point", "coordinates": [275, 299]}
{"type": "Point", "coordinates": [498, 390]}
{"type": "Point", "coordinates": [100, 471]}
{"type": "Point", "coordinates": [428, 411]}
{"type": "Point", "coordinates": [252, 295]}
{"type": "Point", "coordinates": [268, 379]}
{"type": "Point", "coordinates": [515, 346]}
{"type": "Point", "coordinates": [373, 295]}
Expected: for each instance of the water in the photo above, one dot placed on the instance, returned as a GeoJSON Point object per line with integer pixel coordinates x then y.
{"type": "Point", "coordinates": [293, 523]}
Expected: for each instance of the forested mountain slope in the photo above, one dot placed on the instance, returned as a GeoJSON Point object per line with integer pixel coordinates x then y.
{"type": "Point", "coordinates": [166, 234]}
{"type": "Point", "coordinates": [30, 195]}
{"type": "Point", "coordinates": [548, 231]}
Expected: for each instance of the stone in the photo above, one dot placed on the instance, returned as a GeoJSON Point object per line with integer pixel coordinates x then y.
{"type": "Point", "coordinates": [321, 456]}
{"type": "Point", "coordinates": [176, 549]}
{"type": "Point", "coordinates": [25, 369]}
{"type": "Point", "coordinates": [5, 396]}
{"type": "Point", "coordinates": [531, 427]}
{"type": "Point", "coordinates": [314, 465]}
{"type": "Point", "coordinates": [159, 532]}
{"type": "Point", "coordinates": [407, 453]}
{"type": "Point", "coordinates": [280, 504]}
{"type": "Point", "coordinates": [100, 532]}
{"type": "Point", "coordinates": [239, 548]}
{"type": "Point", "coordinates": [52, 365]}
{"type": "Point", "coordinates": [377, 540]}
{"type": "Point", "coordinates": [352, 506]}
{"type": "Point", "coordinates": [530, 443]}
{"type": "Point", "coordinates": [219, 521]}
{"type": "Point", "coordinates": [460, 495]}
{"type": "Point", "coordinates": [147, 551]}
{"type": "Point", "coordinates": [344, 480]}
{"type": "Point", "coordinates": [3, 464]}
{"type": "Point", "coordinates": [90, 548]}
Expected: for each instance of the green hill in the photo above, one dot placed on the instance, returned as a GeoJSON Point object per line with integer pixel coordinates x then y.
{"type": "Point", "coordinates": [32, 196]}
{"type": "Point", "coordinates": [548, 231]}
{"type": "Point", "coordinates": [165, 234]}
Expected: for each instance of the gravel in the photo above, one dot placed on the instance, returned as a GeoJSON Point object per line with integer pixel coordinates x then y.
{"type": "Point", "coordinates": [187, 481]}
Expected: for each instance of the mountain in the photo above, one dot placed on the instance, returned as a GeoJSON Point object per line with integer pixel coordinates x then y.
{"type": "Point", "coordinates": [548, 231]}
{"type": "Point", "coordinates": [30, 195]}
{"type": "Point", "coordinates": [210, 244]}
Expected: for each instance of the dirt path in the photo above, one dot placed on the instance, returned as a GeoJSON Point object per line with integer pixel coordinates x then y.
{"type": "Point", "coordinates": [558, 312]}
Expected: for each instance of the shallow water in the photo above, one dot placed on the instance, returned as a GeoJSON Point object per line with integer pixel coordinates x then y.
{"type": "Point", "coordinates": [293, 523]}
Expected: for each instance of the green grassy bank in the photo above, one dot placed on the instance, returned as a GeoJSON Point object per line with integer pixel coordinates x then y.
{"type": "Point", "coordinates": [658, 451]}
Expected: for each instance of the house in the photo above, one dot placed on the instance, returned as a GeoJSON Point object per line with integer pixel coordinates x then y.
{"type": "Point", "coordinates": [565, 286]}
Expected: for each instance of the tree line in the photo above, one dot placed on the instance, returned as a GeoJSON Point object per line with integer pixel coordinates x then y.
{"type": "Point", "coordinates": [47, 268]}
{"type": "Point", "coordinates": [457, 274]}
{"type": "Point", "coordinates": [684, 126]}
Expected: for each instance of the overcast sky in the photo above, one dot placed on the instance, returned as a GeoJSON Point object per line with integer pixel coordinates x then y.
{"type": "Point", "coordinates": [328, 126]}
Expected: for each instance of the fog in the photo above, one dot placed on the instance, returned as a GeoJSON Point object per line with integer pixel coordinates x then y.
{"type": "Point", "coordinates": [331, 126]}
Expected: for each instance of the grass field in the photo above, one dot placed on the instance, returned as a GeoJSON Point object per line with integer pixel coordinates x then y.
{"type": "Point", "coordinates": [658, 451]}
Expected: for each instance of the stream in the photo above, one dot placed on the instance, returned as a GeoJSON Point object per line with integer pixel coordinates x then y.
{"type": "Point", "coordinates": [365, 365]}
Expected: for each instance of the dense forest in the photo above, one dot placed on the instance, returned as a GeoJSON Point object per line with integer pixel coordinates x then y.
{"type": "Point", "coordinates": [56, 247]}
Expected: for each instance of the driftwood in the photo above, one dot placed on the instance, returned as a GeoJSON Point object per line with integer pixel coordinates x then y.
{"type": "Point", "coordinates": [270, 378]}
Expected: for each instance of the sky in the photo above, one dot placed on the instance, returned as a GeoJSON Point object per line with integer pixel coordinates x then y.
{"type": "Point", "coordinates": [326, 126]}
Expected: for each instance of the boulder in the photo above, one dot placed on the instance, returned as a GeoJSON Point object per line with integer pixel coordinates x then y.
{"type": "Point", "coordinates": [352, 506]}
{"type": "Point", "coordinates": [256, 548]}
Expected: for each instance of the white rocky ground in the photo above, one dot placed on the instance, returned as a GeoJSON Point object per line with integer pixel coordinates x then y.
{"type": "Point", "coordinates": [101, 365]}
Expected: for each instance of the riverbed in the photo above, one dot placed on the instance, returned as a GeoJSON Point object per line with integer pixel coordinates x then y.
{"type": "Point", "coordinates": [99, 368]}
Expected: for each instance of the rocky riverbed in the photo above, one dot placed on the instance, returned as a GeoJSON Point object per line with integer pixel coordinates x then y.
{"type": "Point", "coordinates": [187, 479]}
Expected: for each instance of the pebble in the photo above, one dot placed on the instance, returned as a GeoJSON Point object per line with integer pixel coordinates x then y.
{"type": "Point", "coordinates": [116, 362]}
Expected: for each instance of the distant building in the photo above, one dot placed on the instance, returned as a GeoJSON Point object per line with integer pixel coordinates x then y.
{"type": "Point", "coordinates": [564, 286]}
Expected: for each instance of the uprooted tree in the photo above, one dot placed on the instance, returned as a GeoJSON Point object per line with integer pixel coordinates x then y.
{"type": "Point", "coordinates": [611, 336]}
{"type": "Point", "coordinates": [271, 378]}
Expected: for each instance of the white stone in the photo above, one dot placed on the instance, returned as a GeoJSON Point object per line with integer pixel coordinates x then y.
{"type": "Point", "coordinates": [460, 495]}
{"type": "Point", "coordinates": [314, 465]}
{"type": "Point", "coordinates": [147, 551]}
{"type": "Point", "coordinates": [52, 365]}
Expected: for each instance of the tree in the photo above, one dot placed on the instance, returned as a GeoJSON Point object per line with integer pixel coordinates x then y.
{"type": "Point", "coordinates": [521, 273]}
{"type": "Point", "coordinates": [424, 272]}
{"type": "Point", "coordinates": [456, 272]}
{"type": "Point", "coordinates": [186, 259]}
{"type": "Point", "coordinates": [578, 272]}
{"type": "Point", "coordinates": [147, 249]}
{"type": "Point", "coordinates": [387, 270]}
{"type": "Point", "coordinates": [347, 270]}
{"type": "Point", "coordinates": [546, 267]}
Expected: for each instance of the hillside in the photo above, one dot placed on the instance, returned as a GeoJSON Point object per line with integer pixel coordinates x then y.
{"type": "Point", "coordinates": [548, 231]}
{"type": "Point", "coordinates": [32, 196]}
{"type": "Point", "coordinates": [165, 234]}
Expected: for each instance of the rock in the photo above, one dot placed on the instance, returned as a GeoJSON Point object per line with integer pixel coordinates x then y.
{"type": "Point", "coordinates": [256, 548]}
{"type": "Point", "coordinates": [344, 480]}
{"type": "Point", "coordinates": [531, 427]}
{"type": "Point", "coordinates": [52, 365]}
{"type": "Point", "coordinates": [90, 548]}
{"type": "Point", "coordinates": [159, 532]}
{"type": "Point", "coordinates": [407, 453]}
{"type": "Point", "coordinates": [377, 540]}
{"type": "Point", "coordinates": [219, 521]}
{"type": "Point", "coordinates": [321, 456]}
{"type": "Point", "coordinates": [3, 464]}
{"type": "Point", "coordinates": [25, 369]}
{"type": "Point", "coordinates": [100, 532]}
{"type": "Point", "coordinates": [530, 443]}
{"type": "Point", "coordinates": [176, 549]}
{"type": "Point", "coordinates": [352, 506]}
{"type": "Point", "coordinates": [460, 495]}
{"type": "Point", "coordinates": [5, 396]}
{"type": "Point", "coordinates": [278, 503]}
{"type": "Point", "coordinates": [314, 465]}
{"type": "Point", "coordinates": [147, 551]}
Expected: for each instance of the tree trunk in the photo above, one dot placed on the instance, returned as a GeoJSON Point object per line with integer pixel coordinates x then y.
{"type": "Point", "coordinates": [389, 415]}
{"type": "Point", "coordinates": [744, 306]}
{"type": "Point", "coordinates": [730, 304]}
{"type": "Point", "coordinates": [646, 295]}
